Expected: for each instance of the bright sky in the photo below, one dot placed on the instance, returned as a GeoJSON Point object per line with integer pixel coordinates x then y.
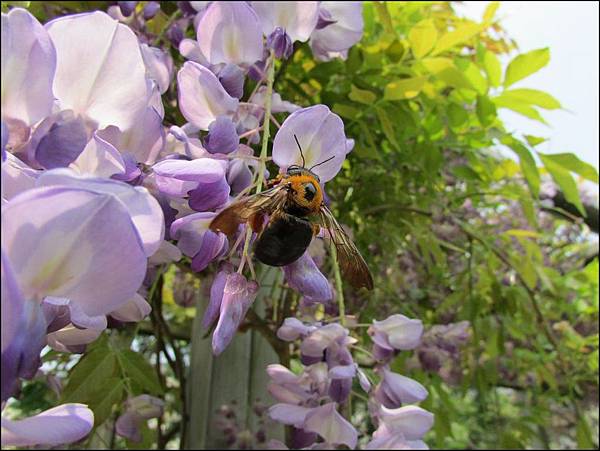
{"type": "Point", "coordinates": [570, 30]}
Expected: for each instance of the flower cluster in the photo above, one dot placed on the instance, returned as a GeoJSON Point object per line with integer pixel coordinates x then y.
{"type": "Point", "coordinates": [96, 191]}
{"type": "Point", "coordinates": [308, 401]}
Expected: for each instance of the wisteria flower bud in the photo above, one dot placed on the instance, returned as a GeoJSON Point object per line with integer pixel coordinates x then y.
{"type": "Point", "coordinates": [150, 10]}
{"type": "Point", "coordinates": [127, 8]}
{"type": "Point", "coordinates": [281, 44]}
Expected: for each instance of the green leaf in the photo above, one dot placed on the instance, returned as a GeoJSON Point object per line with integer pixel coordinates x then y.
{"type": "Point", "coordinates": [534, 140]}
{"type": "Point", "coordinates": [533, 97]}
{"type": "Point", "coordinates": [528, 166]}
{"type": "Point", "coordinates": [445, 70]}
{"type": "Point", "coordinates": [463, 33]}
{"type": "Point", "coordinates": [106, 395]}
{"type": "Point", "coordinates": [584, 434]}
{"type": "Point", "coordinates": [347, 111]}
{"type": "Point", "coordinates": [362, 95]}
{"type": "Point", "coordinates": [473, 75]}
{"type": "Point", "coordinates": [490, 11]}
{"type": "Point", "coordinates": [422, 38]}
{"type": "Point", "coordinates": [518, 106]}
{"type": "Point", "coordinates": [526, 64]}
{"type": "Point", "coordinates": [574, 164]}
{"type": "Point", "coordinates": [387, 127]}
{"type": "Point", "coordinates": [457, 115]}
{"type": "Point", "coordinates": [564, 180]}
{"type": "Point", "coordinates": [137, 368]}
{"type": "Point", "coordinates": [486, 110]}
{"type": "Point", "coordinates": [492, 67]}
{"type": "Point", "coordinates": [404, 89]}
{"type": "Point", "coordinates": [92, 369]}
{"type": "Point", "coordinates": [395, 51]}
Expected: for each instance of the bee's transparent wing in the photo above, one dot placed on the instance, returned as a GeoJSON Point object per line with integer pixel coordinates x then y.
{"type": "Point", "coordinates": [353, 266]}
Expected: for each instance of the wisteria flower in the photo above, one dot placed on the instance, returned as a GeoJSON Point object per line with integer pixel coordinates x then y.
{"type": "Point", "coordinates": [298, 19]}
{"type": "Point", "coordinates": [342, 29]}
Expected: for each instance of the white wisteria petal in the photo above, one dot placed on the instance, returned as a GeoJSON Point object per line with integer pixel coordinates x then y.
{"type": "Point", "coordinates": [289, 414]}
{"type": "Point", "coordinates": [345, 32]}
{"type": "Point", "coordinates": [229, 32]}
{"type": "Point", "coordinates": [100, 71]}
{"type": "Point", "coordinates": [65, 339]}
{"type": "Point", "coordinates": [202, 98]}
{"type": "Point", "coordinates": [16, 177]}
{"type": "Point", "coordinates": [298, 19]}
{"type": "Point", "coordinates": [159, 66]}
{"type": "Point", "coordinates": [412, 421]}
{"type": "Point", "coordinates": [28, 67]}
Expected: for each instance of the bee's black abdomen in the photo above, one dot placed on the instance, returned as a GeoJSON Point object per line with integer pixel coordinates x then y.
{"type": "Point", "coordinates": [283, 241]}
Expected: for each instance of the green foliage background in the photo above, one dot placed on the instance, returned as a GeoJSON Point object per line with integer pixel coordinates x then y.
{"type": "Point", "coordinates": [452, 229]}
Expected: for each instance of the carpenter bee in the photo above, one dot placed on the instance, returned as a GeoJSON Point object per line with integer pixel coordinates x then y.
{"type": "Point", "coordinates": [279, 216]}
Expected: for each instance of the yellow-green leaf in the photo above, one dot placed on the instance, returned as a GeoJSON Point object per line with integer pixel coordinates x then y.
{"type": "Point", "coordinates": [362, 95]}
{"type": "Point", "coordinates": [387, 127]}
{"type": "Point", "coordinates": [492, 67]}
{"type": "Point", "coordinates": [347, 111]}
{"type": "Point", "coordinates": [463, 33]}
{"type": "Point", "coordinates": [404, 89]}
{"type": "Point", "coordinates": [534, 140]}
{"type": "Point", "coordinates": [518, 106]}
{"type": "Point", "coordinates": [564, 180]}
{"type": "Point", "coordinates": [533, 97]}
{"type": "Point", "coordinates": [422, 38]}
{"type": "Point", "coordinates": [528, 166]}
{"type": "Point", "coordinates": [574, 164]}
{"type": "Point", "coordinates": [445, 70]}
{"type": "Point", "coordinates": [490, 11]}
{"type": "Point", "coordinates": [526, 64]}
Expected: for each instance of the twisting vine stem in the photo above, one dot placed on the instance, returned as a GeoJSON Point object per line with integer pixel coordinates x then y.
{"type": "Point", "coordinates": [263, 150]}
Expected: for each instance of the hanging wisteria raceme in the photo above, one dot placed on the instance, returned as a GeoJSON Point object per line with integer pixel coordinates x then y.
{"type": "Point", "coordinates": [98, 192]}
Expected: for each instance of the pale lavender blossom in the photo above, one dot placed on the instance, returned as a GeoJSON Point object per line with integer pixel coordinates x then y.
{"type": "Point", "coordinates": [397, 332]}
{"type": "Point", "coordinates": [238, 296]}
{"type": "Point", "coordinates": [341, 28]}
{"type": "Point", "coordinates": [298, 19]}
{"type": "Point", "coordinates": [396, 390]}
{"type": "Point", "coordinates": [321, 136]}
{"type": "Point", "coordinates": [202, 98]}
{"type": "Point", "coordinates": [63, 424]}
{"type": "Point", "coordinates": [304, 276]}
{"type": "Point", "coordinates": [159, 65]}
{"type": "Point", "coordinates": [280, 43]}
{"type": "Point", "coordinates": [229, 32]}
{"type": "Point", "coordinates": [138, 410]}
{"type": "Point", "coordinates": [222, 136]}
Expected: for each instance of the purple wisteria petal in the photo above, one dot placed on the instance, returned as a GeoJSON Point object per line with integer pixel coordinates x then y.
{"type": "Point", "coordinates": [63, 424]}
{"type": "Point", "coordinates": [100, 74]}
{"type": "Point", "coordinates": [66, 242]}
{"type": "Point", "coordinates": [346, 30]}
{"type": "Point", "coordinates": [293, 328]}
{"type": "Point", "coordinates": [329, 424]}
{"type": "Point", "coordinates": [216, 296]}
{"type": "Point", "coordinates": [150, 10]}
{"type": "Point", "coordinates": [81, 320]}
{"type": "Point", "coordinates": [222, 136]}
{"type": "Point", "coordinates": [129, 425]}
{"type": "Point", "coordinates": [202, 98]}
{"type": "Point", "coordinates": [321, 136]}
{"type": "Point", "coordinates": [238, 296]}
{"type": "Point", "coordinates": [386, 438]}
{"type": "Point", "coordinates": [99, 158]}
{"type": "Point", "coordinates": [281, 375]}
{"type": "Point", "coordinates": [166, 253]}
{"type": "Point", "coordinates": [281, 44]}
{"type": "Point", "coordinates": [342, 372]}
{"type": "Point", "coordinates": [298, 19]}
{"type": "Point", "coordinates": [144, 210]}
{"type": "Point", "coordinates": [412, 421]}
{"type": "Point", "coordinates": [304, 277]}
{"type": "Point", "coordinates": [239, 174]}
{"type": "Point", "coordinates": [16, 177]}
{"type": "Point", "coordinates": [178, 177]}
{"type": "Point", "coordinates": [398, 331]}
{"type": "Point", "coordinates": [12, 302]}
{"type": "Point", "coordinates": [339, 390]}
{"type": "Point", "coordinates": [400, 389]}
{"type": "Point", "coordinates": [139, 409]}
{"type": "Point", "coordinates": [210, 196]}
{"type": "Point", "coordinates": [190, 50]}
{"type": "Point", "coordinates": [5, 134]}
{"type": "Point", "coordinates": [229, 32]}
{"type": "Point", "coordinates": [288, 393]}
{"type": "Point", "coordinates": [134, 310]}
{"type": "Point", "coordinates": [159, 65]}
{"type": "Point", "coordinates": [232, 78]}
{"type": "Point", "coordinates": [289, 414]}
{"type": "Point", "coordinates": [316, 343]}
{"type": "Point", "coordinates": [325, 19]}
{"type": "Point", "coordinates": [365, 384]}
{"type": "Point", "coordinates": [64, 141]}
{"type": "Point", "coordinates": [28, 66]}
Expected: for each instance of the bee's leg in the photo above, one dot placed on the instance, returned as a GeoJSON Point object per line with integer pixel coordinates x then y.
{"type": "Point", "coordinates": [316, 228]}
{"type": "Point", "coordinates": [257, 222]}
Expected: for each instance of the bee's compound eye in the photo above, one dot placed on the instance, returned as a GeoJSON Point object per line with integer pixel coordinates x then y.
{"type": "Point", "coordinates": [309, 191]}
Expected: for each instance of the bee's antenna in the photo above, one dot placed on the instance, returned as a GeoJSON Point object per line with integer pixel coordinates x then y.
{"type": "Point", "coordinates": [322, 162]}
{"type": "Point", "coordinates": [301, 154]}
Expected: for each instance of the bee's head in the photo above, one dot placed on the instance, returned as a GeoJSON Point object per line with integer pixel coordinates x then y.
{"type": "Point", "coordinates": [299, 170]}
